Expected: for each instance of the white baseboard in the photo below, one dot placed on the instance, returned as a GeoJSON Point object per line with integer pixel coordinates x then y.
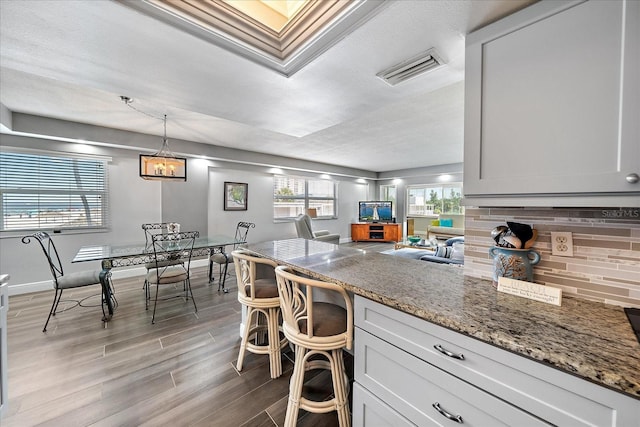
{"type": "Point", "coordinates": [124, 273]}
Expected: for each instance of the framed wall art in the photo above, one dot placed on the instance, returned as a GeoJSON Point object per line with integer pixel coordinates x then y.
{"type": "Point", "coordinates": [235, 196]}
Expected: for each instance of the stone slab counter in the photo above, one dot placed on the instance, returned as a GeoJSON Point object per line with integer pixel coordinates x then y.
{"type": "Point", "coordinates": [588, 339]}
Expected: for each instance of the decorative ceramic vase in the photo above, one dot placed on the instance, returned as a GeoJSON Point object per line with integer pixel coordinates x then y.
{"type": "Point", "coordinates": [513, 263]}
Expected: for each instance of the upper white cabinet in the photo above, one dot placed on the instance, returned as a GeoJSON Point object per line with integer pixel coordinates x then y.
{"type": "Point", "coordinates": [552, 105]}
{"type": "Point", "coordinates": [4, 308]}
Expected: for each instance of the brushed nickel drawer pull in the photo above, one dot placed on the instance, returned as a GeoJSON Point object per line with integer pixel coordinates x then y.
{"type": "Point", "coordinates": [458, 356]}
{"type": "Point", "coordinates": [456, 418]}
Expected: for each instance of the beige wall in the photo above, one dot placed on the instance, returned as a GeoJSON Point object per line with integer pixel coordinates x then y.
{"type": "Point", "coordinates": [606, 261]}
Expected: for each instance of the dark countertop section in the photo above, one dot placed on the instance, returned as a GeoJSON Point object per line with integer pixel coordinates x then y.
{"type": "Point", "coordinates": [589, 339]}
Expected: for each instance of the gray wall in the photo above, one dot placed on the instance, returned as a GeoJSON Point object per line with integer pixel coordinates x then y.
{"type": "Point", "coordinates": [195, 204]}
{"type": "Point", "coordinates": [427, 175]}
{"type": "Point", "coordinates": [133, 202]}
{"type": "Point", "coordinates": [260, 204]}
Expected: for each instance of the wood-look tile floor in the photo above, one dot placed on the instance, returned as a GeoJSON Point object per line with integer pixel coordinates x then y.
{"type": "Point", "coordinates": [128, 372]}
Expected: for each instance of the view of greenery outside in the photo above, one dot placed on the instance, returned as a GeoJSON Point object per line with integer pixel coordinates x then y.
{"type": "Point", "coordinates": [435, 200]}
{"type": "Point", "coordinates": [444, 203]}
{"type": "Point", "coordinates": [293, 196]}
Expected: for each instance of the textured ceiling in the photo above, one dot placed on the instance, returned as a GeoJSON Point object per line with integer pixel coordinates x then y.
{"type": "Point", "coordinates": [73, 60]}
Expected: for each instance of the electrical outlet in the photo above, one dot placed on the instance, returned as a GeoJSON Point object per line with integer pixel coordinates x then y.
{"type": "Point", "coordinates": [561, 243]}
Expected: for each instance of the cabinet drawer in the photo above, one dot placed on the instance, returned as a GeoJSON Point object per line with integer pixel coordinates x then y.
{"type": "Point", "coordinates": [413, 387]}
{"type": "Point", "coordinates": [549, 393]}
{"type": "Point", "coordinates": [370, 411]}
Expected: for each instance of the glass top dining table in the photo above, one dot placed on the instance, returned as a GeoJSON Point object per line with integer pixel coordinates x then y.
{"type": "Point", "coordinates": [112, 256]}
{"type": "Point", "coordinates": [138, 253]}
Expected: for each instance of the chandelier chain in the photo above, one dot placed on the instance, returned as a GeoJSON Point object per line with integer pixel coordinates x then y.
{"type": "Point", "coordinates": [164, 164]}
{"type": "Point", "coordinates": [165, 151]}
{"type": "Point", "coordinates": [129, 103]}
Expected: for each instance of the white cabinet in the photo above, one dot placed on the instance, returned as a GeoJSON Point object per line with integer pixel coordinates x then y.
{"type": "Point", "coordinates": [425, 394]}
{"type": "Point", "coordinates": [412, 365]}
{"type": "Point", "coordinates": [4, 308]}
{"type": "Point", "coordinates": [552, 104]}
{"type": "Point", "coordinates": [369, 410]}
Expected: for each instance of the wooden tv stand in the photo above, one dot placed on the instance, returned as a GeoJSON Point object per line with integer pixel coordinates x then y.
{"type": "Point", "coordinates": [376, 232]}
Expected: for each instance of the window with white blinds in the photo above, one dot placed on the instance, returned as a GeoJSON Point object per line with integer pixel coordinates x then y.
{"type": "Point", "coordinates": [294, 195]}
{"type": "Point", "coordinates": [46, 192]}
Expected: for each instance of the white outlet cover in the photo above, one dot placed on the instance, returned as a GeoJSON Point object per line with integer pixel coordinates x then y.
{"type": "Point", "coordinates": [562, 243]}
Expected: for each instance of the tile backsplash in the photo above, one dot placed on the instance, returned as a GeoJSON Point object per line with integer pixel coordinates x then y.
{"type": "Point", "coordinates": [605, 265]}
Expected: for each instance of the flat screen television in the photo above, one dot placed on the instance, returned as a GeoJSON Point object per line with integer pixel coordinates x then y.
{"type": "Point", "coordinates": [375, 211]}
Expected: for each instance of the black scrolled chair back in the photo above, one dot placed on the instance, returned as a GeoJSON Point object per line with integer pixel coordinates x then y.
{"type": "Point", "coordinates": [72, 280]}
{"type": "Point", "coordinates": [167, 248]}
{"type": "Point", "coordinates": [154, 228]}
{"type": "Point", "coordinates": [242, 229]}
{"type": "Point", "coordinates": [173, 246]}
{"type": "Point", "coordinates": [223, 258]}
{"type": "Point", "coordinates": [50, 252]}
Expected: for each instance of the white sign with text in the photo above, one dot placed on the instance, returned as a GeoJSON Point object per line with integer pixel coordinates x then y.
{"type": "Point", "coordinates": [530, 290]}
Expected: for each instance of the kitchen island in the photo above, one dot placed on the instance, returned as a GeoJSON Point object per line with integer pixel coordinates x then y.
{"type": "Point", "coordinates": [590, 341]}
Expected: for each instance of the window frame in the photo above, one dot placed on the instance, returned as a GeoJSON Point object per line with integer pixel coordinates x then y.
{"type": "Point", "coordinates": [427, 188]}
{"type": "Point", "coordinates": [306, 197]}
{"type": "Point", "coordinates": [385, 190]}
{"type": "Point", "coordinates": [98, 188]}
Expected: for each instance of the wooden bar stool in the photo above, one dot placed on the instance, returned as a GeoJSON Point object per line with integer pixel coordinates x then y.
{"type": "Point", "coordinates": [316, 329]}
{"type": "Point", "coordinates": [258, 292]}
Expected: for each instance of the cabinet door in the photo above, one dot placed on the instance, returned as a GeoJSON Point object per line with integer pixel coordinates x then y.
{"type": "Point", "coordinates": [552, 101]}
{"type": "Point", "coordinates": [391, 233]}
{"type": "Point", "coordinates": [4, 308]}
{"type": "Point", "coordinates": [359, 232]}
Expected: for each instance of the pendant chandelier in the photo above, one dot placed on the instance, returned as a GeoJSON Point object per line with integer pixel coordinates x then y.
{"type": "Point", "coordinates": [163, 165]}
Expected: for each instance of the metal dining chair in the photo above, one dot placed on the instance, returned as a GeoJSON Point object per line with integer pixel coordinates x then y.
{"type": "Point", "coordinates": [167, 248]}
{"type": "Point", "coordinates": [150, 229]}
{"type": "Point", "coordinates": [63, 281]}
{"type": "Point", "coordinates": [155, 228]}
{"type": "Point", "coordinates": [223, 259]}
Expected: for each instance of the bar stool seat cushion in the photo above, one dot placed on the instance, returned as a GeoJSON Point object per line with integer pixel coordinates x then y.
{"type": "Point", "coordinates": [328, 320]}
{"type": "Point", "coordinates": [264, 288]}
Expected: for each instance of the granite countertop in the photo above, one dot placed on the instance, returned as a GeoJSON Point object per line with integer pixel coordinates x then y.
{"type": "Point", "coordinates": [591, 340]}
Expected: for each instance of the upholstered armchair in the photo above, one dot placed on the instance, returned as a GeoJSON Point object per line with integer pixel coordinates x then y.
{"type": "Point", "coordinates": [304, 229]}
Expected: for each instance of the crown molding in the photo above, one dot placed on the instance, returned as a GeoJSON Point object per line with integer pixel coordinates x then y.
{"type": "Point", "coordinates": [318, 26]}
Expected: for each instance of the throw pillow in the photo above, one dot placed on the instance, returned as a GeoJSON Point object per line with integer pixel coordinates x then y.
{"type": "Point", "coordinates": [435, 223]}
{"type": "Point", "coordinates": [444, 251]}
{"type": "Point", "coordinates": [458, 251]}
{"type": "Point", "coordinates": [446, 222]}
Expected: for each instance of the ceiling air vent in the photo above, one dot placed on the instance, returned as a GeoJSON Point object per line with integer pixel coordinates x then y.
{"type": "Point", "coordinates": [426, 61]}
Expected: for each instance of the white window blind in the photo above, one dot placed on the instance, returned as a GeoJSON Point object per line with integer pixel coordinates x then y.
{"type": "Point", "coordinates": [45, 192]}
{"type": "Point", "coordinates": [294, 195]}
